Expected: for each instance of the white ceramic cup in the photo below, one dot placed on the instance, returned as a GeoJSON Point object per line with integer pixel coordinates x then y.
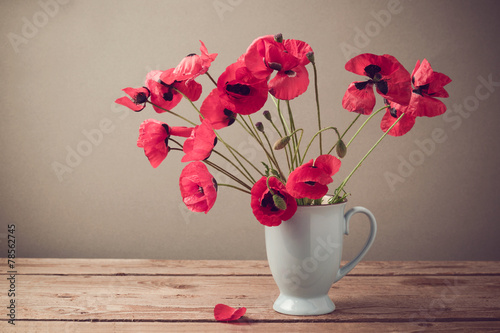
{"type": "Point", "coordinates": [304, 255]}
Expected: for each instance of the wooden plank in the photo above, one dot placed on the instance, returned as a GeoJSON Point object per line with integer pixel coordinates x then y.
{"type": "Point", "coordinates": [246, 326]}
{"type": "Point", "coordinates": [236, 267]}
{"type": "Point", "coordinates": [364, 298]}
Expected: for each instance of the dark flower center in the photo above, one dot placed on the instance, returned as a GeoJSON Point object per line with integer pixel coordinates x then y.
{"type": "Point", "coordinates": [290, 73]}
{"type": "Point", "coordinates": [268, 202]}
{"type": "Point", "coordinates": [215, 184]}
{"type": "Point", "coordinates": [191, 54]}
{"type": "Point", "coordinates": [310, 183]}
{"type": "Point", "coordinates": [167, 129]}
{"type": "Point", "coordinates": [361, 85]}
{"type": "Point", "coordinates": [420, 90]}
{"type": "Point", "coordinates": [240, 89]}
{"type": "Point", "coordinates": [382, 86]}
{"type": "Point", "coordinates": [168, 96]}
{"type": "Point", "coordinates": [200, 189]}
{"type": "Point", "coordinates": [372, 70]}
{"type": "Point", "coordinates": [393, 112]}
{"type": "Point", "coordinates": [140, 98]}
{"type": "Point", "coordinates": [231, 116]}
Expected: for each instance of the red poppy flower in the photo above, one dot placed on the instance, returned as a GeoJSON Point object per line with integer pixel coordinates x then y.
{"type": "Point", "coordinates": [139, 97]}
{"type": "Point", "coordinates": [224, 312]}
{"type": "Point", "coordinates": [390, 78]}
{"type": "Point", "coordinates": [310, 180]}
{"type": "Point", "coordinates": [428, 85]}
{"type": "Point", "coordinates": [288, 58]}
{"type": "Point", "coordinates": [198, 187]}
{"type": "Point", "coordinates": [164, 95]}
{"type": "Point", "coordinates": [200, 143]}
{"type": "Point", "coordinates": [214, 112]}
{"type": "Point", "coordinates": [192, 66]}
{"type": "Point", "coordinates": [394, 111]}
{"type": "Point", "coordinates": [263, 205]}
{"type": "Point", "coordinates": [240, 91]}
{"type": "Point", "coordinates": [153, 137]}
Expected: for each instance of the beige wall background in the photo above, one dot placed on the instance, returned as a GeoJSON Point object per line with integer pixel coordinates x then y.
{"type": "Point", "coordinates": [63, 63]}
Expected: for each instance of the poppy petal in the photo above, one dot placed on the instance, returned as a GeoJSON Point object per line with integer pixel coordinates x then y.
{"type": "Point", "coordinates": [328, 163]}
{"type": "Point", "coordinates": [424, 106]}
{"type": "Point", "coordinates": [289, 84]}
{"type": "Point", "coordinates": [359, 98]}
{"type": "Point", "coordinates": [224, 312]}
{"type": "Point", "coordinates": [404, 125]}
{"type": "Point", "coordinates": [153, 137]}
{"type": "Point", "coordinates": [125, 101]}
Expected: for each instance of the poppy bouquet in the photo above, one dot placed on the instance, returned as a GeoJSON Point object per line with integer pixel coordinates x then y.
{"type": "Point", "coordinates": [275, 68]}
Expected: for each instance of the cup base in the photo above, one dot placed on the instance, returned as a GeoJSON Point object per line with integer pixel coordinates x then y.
{"type": "Point", "coordinates": [298, 306]}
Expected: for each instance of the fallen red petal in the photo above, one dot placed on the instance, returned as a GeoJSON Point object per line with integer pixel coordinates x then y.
{"type": "Point", "coordinates": [224, 312]}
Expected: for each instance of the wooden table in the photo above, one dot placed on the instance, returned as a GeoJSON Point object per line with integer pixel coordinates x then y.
{"type": "Point", "coordinates": [116, 295]}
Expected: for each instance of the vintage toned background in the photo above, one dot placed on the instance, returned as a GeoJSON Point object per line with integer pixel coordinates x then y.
{"type": "Point", "coordinates": [75, 184]}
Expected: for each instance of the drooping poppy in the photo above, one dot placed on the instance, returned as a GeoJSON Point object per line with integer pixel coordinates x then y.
{"type": "Point", "coordinates": [310, 180]}
{"type": "Point", "coordinates": [240, 91]}
{"type": "Point", "coordinates": [214, 111]}
{"type": "Point", "coordinates": [391, 80]}
{"type": "Point", "coordinates": [263, 204]}
{"type": "Point", "coordinates": [137, 100]}
{"type": "Point", "coordinates": [404, 125]}
{"type": "Point", "coordinates": [192, 66]}
{"type": "Point", "coordinates": [165, 96]}
{"type": "Point", "coordinates": [428, 85]}
{"type": "Point", "coordinates": [198, 187]}
{"type": "Point", "coordinates": [153, 137]}
{"type": "Point", "coordinates": [287, 57]}
{"type": "Point", "coordinates": [200, 143]}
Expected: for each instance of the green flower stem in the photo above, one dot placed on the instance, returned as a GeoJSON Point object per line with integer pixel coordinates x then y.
{"type": "Point", "coordinates": [235, 187]}
{"type": "Point", "coordinates": [175, 141]}
{"type": "Point", "coordinates": [254, 133]}
{"type": "Point", "coordinates": [282, 119]}
{"type": "Point", "coordinates": [285, 127]}
{"type": "Point", "coordinates": [227, 173]}
{"type": "Point", "coordinates": [343, 134]}
{"type": "Point", "coordinates": [190, 101]}
{"type": "Point", "coordinates": [341, 187]}
{"type": "Point", "coordinates": [366, 121]}
{"type": "Point", "coordinates": [215, 166]}
{"type": "Point", "coordinates": [235, 166]}
{"type": "Point", "coordinates": [292, 127]}
{"type": "Point", "coordinates": [172, 112]}
{"type": "Point", "coordinates": [274, 157]}
{"type": "Point", "coordinates": [315, 135]}
{"type": "Point", "coordinates": [281, 136]}
{"type": "Point", "coordinates": [317, 107]}
{"type": "Point", "coordinates": [211, 78]}
{"type": "Point", "coordinates": [231, 149]}
{"type": "Point", "coordinates": [297, 148]}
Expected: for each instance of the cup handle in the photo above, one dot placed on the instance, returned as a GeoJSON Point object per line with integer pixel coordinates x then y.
{"type": "Point", "coordinates": [373, 231]}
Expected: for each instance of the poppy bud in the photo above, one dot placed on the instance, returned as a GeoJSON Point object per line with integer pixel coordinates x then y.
{"type": "Point", "coordinates": [281, 143]}
{"type": "Point", "coordinates": [259, 126]}
{"type": "Point", "coordinates": [279, 202]}
{"type": "Point", "coordinates": [278, 38]}
{"type": "Point", "coordinates": [341, 149]}
{"type": "Point", "coordinates": [310, 56]}
{"type": "Point", "coordinates": [267, 115]}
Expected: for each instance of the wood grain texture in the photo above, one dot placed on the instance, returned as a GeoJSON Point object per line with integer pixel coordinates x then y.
{"type": "Point", "coordinates": [162, 327]}
{"type": "Point", "coordinates": [236, 267]}
{"type": "Point", "coordinates": [114, 295]}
